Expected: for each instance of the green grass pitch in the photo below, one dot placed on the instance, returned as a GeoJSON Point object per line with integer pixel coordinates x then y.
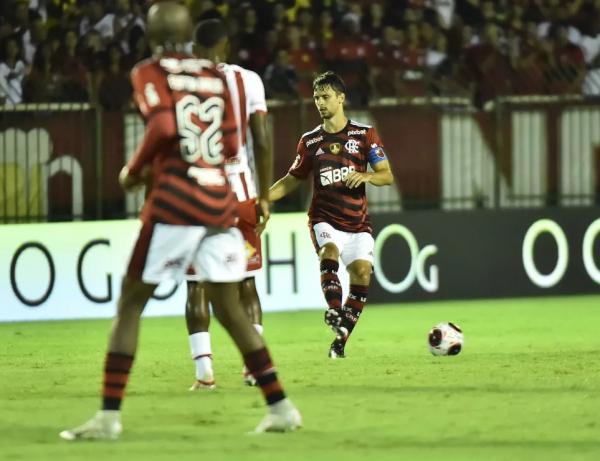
{"type": "Point", "coordinates": [525, 387]}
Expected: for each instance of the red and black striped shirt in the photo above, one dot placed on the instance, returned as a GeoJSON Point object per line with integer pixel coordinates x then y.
{"type": "Point", "coordinates": [190, 133]}
{"type": "Point", "coordinates": [330, 157]}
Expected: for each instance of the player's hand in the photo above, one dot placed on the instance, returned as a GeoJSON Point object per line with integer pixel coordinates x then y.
{"type": "Point", "coordinates": [131, 182]}
{"type": "Point", "coordinates": [355, 179]}
{"type": "Point", "coordinates": [262, 209]}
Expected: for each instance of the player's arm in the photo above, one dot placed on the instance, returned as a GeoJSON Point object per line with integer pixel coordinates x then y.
{"type": "Point", "coordinates": [283, 187]}
{"type": "Point", "coordinates": [299, 171]}
{"type": "Point", "coordinates": [159, 129]}
{"type": "Point", "coordinates": [380, 176]}
{"type": "Point", "coordinates": [160, 126]}
{"type": "Point", "coordinates": [263, 159]}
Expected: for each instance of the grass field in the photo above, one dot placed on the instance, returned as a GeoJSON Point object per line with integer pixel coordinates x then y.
{"type": "Point", "coordinates": [525, 387]}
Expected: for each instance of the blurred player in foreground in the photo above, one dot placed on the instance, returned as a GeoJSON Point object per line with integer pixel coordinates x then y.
{"type": "Point", "coordinates": [250, 110]}
{"type": "Point", "coordinates": [337, 153]}
{"type": "Point", "coordinates": [187, 218]}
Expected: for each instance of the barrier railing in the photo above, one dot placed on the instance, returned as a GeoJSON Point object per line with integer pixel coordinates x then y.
{"type": "Point", "coordinates": [61, 161]}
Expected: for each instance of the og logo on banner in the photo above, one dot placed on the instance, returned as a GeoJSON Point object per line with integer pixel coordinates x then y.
{"type": "Point", "coordinates": [417, 262]}
{"type": "Point", "coordinates": [551, 279]}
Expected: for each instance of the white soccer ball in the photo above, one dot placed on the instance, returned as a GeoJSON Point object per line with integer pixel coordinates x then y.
{"type": "Point", "coordinates": [445, 338]}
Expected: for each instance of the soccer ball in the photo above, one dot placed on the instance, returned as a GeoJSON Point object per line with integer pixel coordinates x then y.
{"type": "Point", "coordinates": [445, 338]}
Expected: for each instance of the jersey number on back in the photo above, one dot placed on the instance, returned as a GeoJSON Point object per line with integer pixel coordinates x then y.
{"type": "Point", "coordinates": [199, 125]}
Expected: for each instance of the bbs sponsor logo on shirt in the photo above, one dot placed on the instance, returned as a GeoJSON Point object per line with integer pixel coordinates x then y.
{"type": "Point", "coordinates": [331, 175]}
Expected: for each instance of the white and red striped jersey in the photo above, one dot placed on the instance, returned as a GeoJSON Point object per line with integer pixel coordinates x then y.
{"type": "Point", "coordinates": [248, 97]}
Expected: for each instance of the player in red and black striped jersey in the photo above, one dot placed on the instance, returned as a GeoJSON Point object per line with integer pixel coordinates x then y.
{"type": "Point", "coordinates": [335, 155]}
{"type": "Point", "coordinates": [187, 218]}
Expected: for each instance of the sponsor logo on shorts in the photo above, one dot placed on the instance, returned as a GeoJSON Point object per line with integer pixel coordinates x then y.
{"type": "Point", "coordinates": [173, 263]}
{"type": "Point", "coordinates": [325, 235]}
{"type": "Point", "coordinates": [231, 258]}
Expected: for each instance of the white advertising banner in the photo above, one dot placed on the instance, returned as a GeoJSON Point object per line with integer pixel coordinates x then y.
{"type": "Point", "coordinates": [74, 270]}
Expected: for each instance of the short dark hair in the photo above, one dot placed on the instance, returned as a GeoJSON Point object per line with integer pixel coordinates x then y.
{"type": "Point", "coordinates": [209, 32]}
{"type": "Point", "coordinates": [331, 79]}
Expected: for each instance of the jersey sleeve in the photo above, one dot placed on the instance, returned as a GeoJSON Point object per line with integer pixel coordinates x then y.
{"type": "Point", "coordinates": [150, 91]}
{"type": "Point", "coordinates": [302, 165]}
{"type": "Point", "coordinates": [255, 93]}
{"type": "Point", "coordinates": [375, 153]}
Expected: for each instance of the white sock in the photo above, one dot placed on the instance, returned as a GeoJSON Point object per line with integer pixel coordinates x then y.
{"type": "Point", "coordinates": [202, 355]}
{"type": "Point", "coordinates": [259, 328]}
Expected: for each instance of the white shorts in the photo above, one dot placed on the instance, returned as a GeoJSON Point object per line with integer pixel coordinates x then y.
{"type": "Point", "coordinates": [168, 252]}
{"type": "Point", "coordinates": [352, 246]}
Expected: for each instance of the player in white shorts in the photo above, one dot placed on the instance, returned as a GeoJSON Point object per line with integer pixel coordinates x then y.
{"type": "Point", "coordinates": [335, 156]}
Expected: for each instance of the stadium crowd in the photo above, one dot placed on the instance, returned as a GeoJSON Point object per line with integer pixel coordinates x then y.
{"type": "Point", "coordinates": [83, 50]}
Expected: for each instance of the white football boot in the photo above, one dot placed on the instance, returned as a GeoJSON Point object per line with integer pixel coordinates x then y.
{"type": "Point", "coordinates": [283, 416]}
{"type": "Point", "coordinates": [105, 425]}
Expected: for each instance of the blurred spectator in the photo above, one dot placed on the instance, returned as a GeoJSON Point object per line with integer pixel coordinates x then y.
{"type": "Point", "coordinates": [373, 20]}
{"type": "Point", "coordinates": [276, 18]}
{"type": "Point", "coordinates": [306, 24]}
{"type": "Point", "coordinates": [486, 67]}
{"type": "Point", "coordinates": [304, 59]}
{"type": "Point", "coordinates": [12, 71]}
{"type": "Point", "coordinates": [558, 12]}
{"type": "Point", "coordinates": [529, 61]}
{"type": "Point", "coordinates": [566, 63]}
{"type": "Point", "coordinates": [36, 33]}
{"type": "Point", "coordinates": [348, 54]}
{"type": "Point", "coordinates": [387, 63]}
{"type": "Point", "coordinates": [445, 10]}
{"type": "Point", "coordinates": [115, 90]}
{"type": "Point", "coordinates": [280, 78]}
{"type": "Point", "coordinates": [41, 85]}
{"type": "Point", "coordinates": [94, 18]}
{"type": "Point", "coordinates": [20, 16]}
{"type": "Point", "coordinates": [414, 79]}
{"type": "Point", "coordinates": [445, 71]}
{"type": "Point", "coordinates": [324, 29]}
{"type": "Point", "coordinates": [138, 47]}
{"type": "Point", "coordinates": [125, 19]}
{"type": "Point", "coordinates": [469, 12]}
{"type": "Point", "coordinates": [249, 39]}
{"type": "Point", "coordinates": [71, 71]}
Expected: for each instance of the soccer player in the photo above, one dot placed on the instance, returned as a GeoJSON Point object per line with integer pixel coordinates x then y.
{"type": "Point", "coordinates": [187, 218]}
{"type": "Point", "coordinates": [336, 154]}
{"type": "Point", "coordinates": [250, 110]}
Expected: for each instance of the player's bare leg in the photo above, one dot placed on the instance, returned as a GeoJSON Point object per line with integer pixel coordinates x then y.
{"type": "Point", "coordinates": [360, 278]}
{"type": "Point", "coordinates": [251, 303]}
{"type": "Point", "coordinates": [225, 299]}
{"type": "Point", "coordinates": [197, 318]}
{"type": "Point", "coordinates": [330, 284]}
{"type": "Point", "coordinates": [122, 345]}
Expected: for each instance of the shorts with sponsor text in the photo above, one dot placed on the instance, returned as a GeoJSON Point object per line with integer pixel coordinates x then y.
{"type": "Point", "coordinates": [166, 252]}
{"type": "Point", "coordinates": [352, 246]}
